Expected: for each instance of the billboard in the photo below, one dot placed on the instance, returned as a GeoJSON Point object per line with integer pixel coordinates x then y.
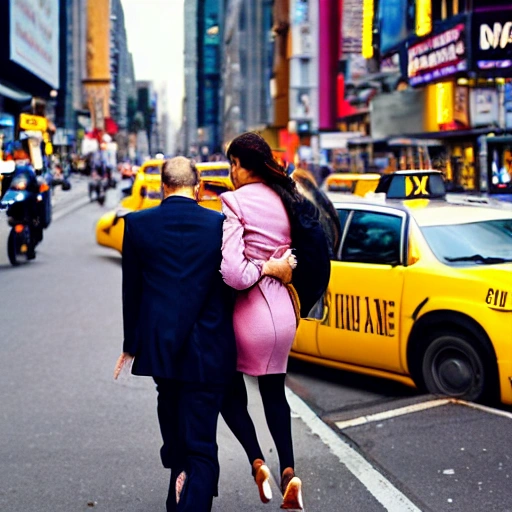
{"type": "Point", "coordinates": [484, 107]}
{"type": "Point", "coordinates": [491, 42]}
{"type": "Point", "coordinates": [34, 38]}
{"type": "Point", "coordinates": [352, 27]}
{"type": "Point", "coordinates": [395, 23]}
{"type": "Point", "coordinates": [438, 56]}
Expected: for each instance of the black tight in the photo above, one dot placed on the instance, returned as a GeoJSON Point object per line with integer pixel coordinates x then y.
{"type": "Point", "coordinates": [277, 413]}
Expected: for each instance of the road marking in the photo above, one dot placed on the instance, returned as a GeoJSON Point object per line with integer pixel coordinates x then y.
{"type": "Point", "coordinates": [393, 413]}
{"type": "Point", "coordinates": [422, 406]}
{"type": "Point", "coordinates": [484, 408]}
{"type": "Point", "coordinates": [378, 486]}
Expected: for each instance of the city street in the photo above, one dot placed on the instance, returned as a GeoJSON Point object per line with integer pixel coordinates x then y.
{"type": "Point", "coordinates": [72, 439]}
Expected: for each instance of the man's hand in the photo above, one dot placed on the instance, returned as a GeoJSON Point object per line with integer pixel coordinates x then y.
{"type": "Point", "coordinates": [124, 358]}
{"type": "Point", "coordinates": [280, 268]}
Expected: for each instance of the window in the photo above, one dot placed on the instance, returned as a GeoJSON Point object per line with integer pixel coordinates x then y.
{"type": "Point", "coordinates": [152, 169]}
{"type": "Point", "coordinates": [343, 216]}
{"type": "Point", "coordinates": [373, 238]}
{"type": "Point", "coordinates": [474, 243]}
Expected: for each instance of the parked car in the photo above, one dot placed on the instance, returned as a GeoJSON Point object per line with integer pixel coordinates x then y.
{"type": "Point", "coordinates": [420, 291]}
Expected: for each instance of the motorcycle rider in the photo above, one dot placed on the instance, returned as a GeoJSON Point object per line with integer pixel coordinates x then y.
{"type": "Point", "coordinates": [25, 177]}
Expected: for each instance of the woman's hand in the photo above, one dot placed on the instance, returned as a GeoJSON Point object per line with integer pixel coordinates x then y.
{"type": "Point", "coordinates": [280, 268]}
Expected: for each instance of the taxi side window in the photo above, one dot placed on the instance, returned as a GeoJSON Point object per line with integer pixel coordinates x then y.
{"type": "Point", "coordinates": [343, 216]}
{"type": "Point", "coordinates": [373, 237]}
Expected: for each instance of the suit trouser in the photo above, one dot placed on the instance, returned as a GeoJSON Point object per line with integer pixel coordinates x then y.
{"type": "Point", "coordinates": [188, 414]}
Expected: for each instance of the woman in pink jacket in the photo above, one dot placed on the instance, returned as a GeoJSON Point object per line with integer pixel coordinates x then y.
{"type": "Point", "coordinates": [256, 233]}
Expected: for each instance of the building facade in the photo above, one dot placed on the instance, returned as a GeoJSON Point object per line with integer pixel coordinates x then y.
{"type": "Point", "coordinates": [454, 57]}
{"type": "Point", "coordinates": [248, 69]}
{"type": "Point", "coordinates": [190, 121]}
{"type": "Point", "coordinates": [29, 59]}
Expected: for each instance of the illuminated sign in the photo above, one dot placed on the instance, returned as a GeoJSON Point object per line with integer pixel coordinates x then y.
{"type": "Point", "coordinates": [437, 57]}
{"type": "Point", "coordinates": [444, 102]}
{"type": "Point", "coordinates": [412, 185]}
{"type": "Point", "coordinates": [423, 17]}
{"type": "Point", "coordinates": [352, 21]}
{"type": "Point", "coordinates": [394, 23]}
{"type": "Point", "coordinates": [368, 9]}
{"type": "Point", "coordinates": [33, 123]}
{"type": "Point", "coordinates": [491, 38]}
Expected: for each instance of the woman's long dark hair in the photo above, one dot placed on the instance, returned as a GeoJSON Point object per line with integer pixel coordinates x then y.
{"type": "Point", "coordinates": [256, 156]}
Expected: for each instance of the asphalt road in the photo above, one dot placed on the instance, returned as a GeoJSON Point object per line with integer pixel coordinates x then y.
{"type": "Point", "coordinates": [72, 439]}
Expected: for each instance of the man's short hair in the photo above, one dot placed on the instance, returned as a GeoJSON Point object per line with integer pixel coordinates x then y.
{"type": "Point", "coordinates": [179, 172]}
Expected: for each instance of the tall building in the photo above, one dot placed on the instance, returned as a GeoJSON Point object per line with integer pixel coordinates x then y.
{"type": "Point", "coordinates": [190, 121]}
{"type": "Point", "coordinates": [248, 51]}
{"type": "Point", "coordinates": [304, 78]}
{"type": "Point", "coordinates": [65, 116]}
{"type": "Point", "coordinates": [122, 78]}
{"type": "Point", "coordinates": [121, 67]}
{"type": "Point", "coordinates": [147, 107]}
{"type": "Point", "coordinates": [97, 81]}
{"type": "Point", "coordinates": [201, 114]}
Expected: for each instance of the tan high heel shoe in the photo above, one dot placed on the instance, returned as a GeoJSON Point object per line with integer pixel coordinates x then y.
{"type": "Point", "coordinates": [291, 486]}
{"type": "Point", "coordinates": [261, 475]}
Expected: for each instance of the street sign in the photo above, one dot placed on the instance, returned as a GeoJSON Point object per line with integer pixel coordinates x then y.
{"type": "Point", "coordinates": [33, 123]}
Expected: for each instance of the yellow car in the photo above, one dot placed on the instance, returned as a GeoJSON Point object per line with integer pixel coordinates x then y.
{"type": "Point", "coordinates": [352, 183]}
{"type": "Point", "coordinates": [146, 193]}
{"type": "Point", "coordinates": [213, 169]}
{"type": "Point", "coordinates": [420, 291]}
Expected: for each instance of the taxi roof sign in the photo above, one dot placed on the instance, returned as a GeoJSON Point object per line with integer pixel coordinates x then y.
{"type": "Point", "coordinates": [412, 185]}
{"type": "Point", "coordinates": [346, 182]}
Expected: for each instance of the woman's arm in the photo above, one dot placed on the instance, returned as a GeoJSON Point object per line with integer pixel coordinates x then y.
{"type": "Point", "coordinates": [237, 270]}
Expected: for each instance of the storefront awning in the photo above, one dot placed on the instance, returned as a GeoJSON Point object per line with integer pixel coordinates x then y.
{"type": "Point", "coordinates": [473, 132]}
{"type": "Point", "coordinates": [14, 94]}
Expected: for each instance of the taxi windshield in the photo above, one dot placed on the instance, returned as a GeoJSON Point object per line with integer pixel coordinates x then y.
{"type": "Point", "coordinates": [215, 172]}
{"type": "Point", "coordinates": [152, 169]}
{"type": "Point", "coordinates": [487, 242]}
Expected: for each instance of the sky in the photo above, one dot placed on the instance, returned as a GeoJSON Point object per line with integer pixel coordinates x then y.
{"type": "Point", "coordinates": [155, 38]}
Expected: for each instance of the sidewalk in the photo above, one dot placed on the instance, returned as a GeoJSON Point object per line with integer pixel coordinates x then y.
{"type": "Point", "coordinates": [328, 485]}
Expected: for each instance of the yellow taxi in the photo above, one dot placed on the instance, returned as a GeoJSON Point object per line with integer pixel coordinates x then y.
{"type": "Point", "coordinates": [353, 183]}
{"type": "Point", "coordinates": [213, 169]}
{"type": "Point", "coordinates": [420, 291]}
{"type": "Point", "coordinates": [217, 172]}
{"type": "Point", "coordinates": [146, 193]}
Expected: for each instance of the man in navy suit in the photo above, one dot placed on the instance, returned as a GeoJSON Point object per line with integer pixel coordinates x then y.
{"type": "Point", "coordinates": [177, 316]}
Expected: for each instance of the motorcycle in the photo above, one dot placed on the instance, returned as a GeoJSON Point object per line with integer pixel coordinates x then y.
{"type": "Point", "coordinates": [97, 188]}
{"type": "Point", "coordinates": [28, 205]}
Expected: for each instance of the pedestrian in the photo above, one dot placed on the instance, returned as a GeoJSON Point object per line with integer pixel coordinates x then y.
{"type": "Point", "coordinates": [177, 315]}
{"type": "Point", "coordinates": [257, 228]}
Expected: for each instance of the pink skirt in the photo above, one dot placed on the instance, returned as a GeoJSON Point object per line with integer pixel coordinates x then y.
{"type": "Point", "coordinates": [265, 326]}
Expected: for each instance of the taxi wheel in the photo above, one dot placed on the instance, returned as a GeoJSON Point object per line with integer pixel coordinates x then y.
{"type": "Point", "coordinates": [453, 366]}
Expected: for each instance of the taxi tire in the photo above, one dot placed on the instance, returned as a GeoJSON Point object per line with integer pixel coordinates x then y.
{"type": "Point", "coordinates": [454, 365]}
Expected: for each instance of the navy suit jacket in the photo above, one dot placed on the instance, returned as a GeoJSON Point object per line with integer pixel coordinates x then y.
{"type": "Point", "coordinates": [177, 311]}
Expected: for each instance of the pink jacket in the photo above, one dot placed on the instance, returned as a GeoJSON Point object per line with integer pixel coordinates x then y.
{"type": "Point", "coordinates": [257, 227]}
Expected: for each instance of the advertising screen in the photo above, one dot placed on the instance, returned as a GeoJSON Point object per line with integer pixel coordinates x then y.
{"type": "Point", "coordinates": [437, 57]}
{"type": "Point", "coordinates": [395, 23]}
{"type": "Point", "coordinates": [34, 37]}
{"type": "Point", "coordinates": [491, 43]}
